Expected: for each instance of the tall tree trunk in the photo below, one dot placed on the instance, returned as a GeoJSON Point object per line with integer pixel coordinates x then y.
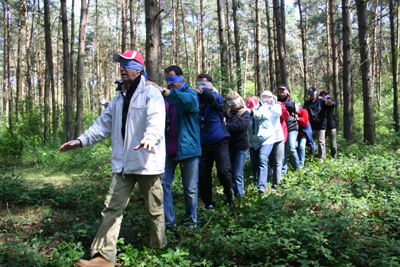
{"type": "Point", "coordinates": [374, 45]}
{"type": "Point", "coordinates": [277, 68]}
{"type": "Point", "coordinates": [49, 77]}
{"type": "Point", "coordinates": [118, 38]}
{"type": "Point", "coordinates": [98, 62]}
{"type": "Point", "coordinates": [132, 24]}
{"type": "Point", "coordinates": [10, 89]}
{"type": "Point", "coordinates": [394, 68]}
{"type": "Point", "coordinates": [69, 130]}
{"type": "Point", "coordinates": [328, 50]}
{"type": "Point", "coordinates": [223, 48]}
{"type": "Point", "coordinates": [72, 56]}
{"type": "Point", "coordinates": [153, 40]}
{"type": "Point", "coordinates": [80, 69]}
{"type": "Point", "coordinates": [365, 66]}
{"type": "Point", "coordinates": [304, 42]}
{"type": "Point", "coordinates": [92, 86]}
{"type": "Point", "coordinates": [123, 25]}
{"type": "Point", "coordinates": [138, 12]}
{"type": "Point", "coordinates": [203, 39]}
{"type": "Point", "coordinates": [186, 43]}
{"type": "Point", "coordinates": [172, 55]}
{"type": "Point", "coordinates": [283, 15]}
{"type": "Point", "coordinates": [237, 48]}
{"type": "Point", "coordinates": [280, 43]}
{"type": "Point", "coordinates": [270, 49]}
{"type": "Point", "coordinates": [5, 58]}
{"type": "Point", "coordinates": [335, 68]}
{"type": "Point", "coordinates": [58, 98]}
{"type": "Point", "coordinates": [258, 47]}
{"type": "Point", "coordinates": [348, 115]}
{"type": "Point", "coordinates": [380, 60]}
{"type": "Point", "coordinates": [246, 61]}
{"type": "Point", "coordinates": [196, 44]}
{"type": "Point", "coordinates": [39, 65]}
{"type": "Point", "coordinates": [230, 45]}
{"type": "Point", "coordinates": [18, 70]}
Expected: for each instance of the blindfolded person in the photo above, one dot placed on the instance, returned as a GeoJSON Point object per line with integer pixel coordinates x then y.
{"type": "Point", "coordinates": [138, 155]}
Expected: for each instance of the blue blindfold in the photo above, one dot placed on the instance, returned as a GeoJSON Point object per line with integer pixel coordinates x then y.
{"type": "Point", "coordinates": [174, 79]}
{"type": "Point", "coordinates": [134, 65]}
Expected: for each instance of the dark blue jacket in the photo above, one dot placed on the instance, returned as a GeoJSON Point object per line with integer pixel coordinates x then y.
{"type": "Point", "coordinates": [211, 117]}
{"type": "Point", "coordinates": [187, 126]}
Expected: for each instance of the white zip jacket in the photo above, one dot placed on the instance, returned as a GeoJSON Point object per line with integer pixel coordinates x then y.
{"type": "Point", "coordinates": [145, 119]}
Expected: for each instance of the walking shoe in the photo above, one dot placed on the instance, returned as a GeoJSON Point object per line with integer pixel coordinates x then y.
{"type": "Point", "coordinates": [170, 226]}
{"type": "Point", "coordinates": [321, 161]}
{"type": "Point", "coordinates": [274, 187]}
{"type": "Point", "coordinates": [95, 262]}
{"type": "Point", "coordinates": [210, 207]}
{"type": "Point", "coordinates": [261, 191]}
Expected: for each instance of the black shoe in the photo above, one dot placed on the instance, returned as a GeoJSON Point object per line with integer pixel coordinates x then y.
{"type": "Point", "coordinates": [275, 187]}
{"type": "Point", "coordinates": [261, 191]}
{"type": "Point", "coordinates": [210, 207]}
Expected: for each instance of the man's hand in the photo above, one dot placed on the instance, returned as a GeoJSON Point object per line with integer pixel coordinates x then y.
{"type": "Point", "coordinates": [329, 102]}
{"type": "Point", "coordinates": [198, 91]}
{"type": "Point", "coordinates": [70, 145]}
{"type": "Point", "coordinates": [229, 113]}
{"type": "Point", "coordinates": [241, 111]}
{"type": "Point", "coordinates": [146, 144]}
{"type": "Point", "coordinates": [160, 88]}
{"type": "Point", "coordinates": [148, 83]}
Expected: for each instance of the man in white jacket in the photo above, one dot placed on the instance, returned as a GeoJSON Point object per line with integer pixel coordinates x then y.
{"type": "Point", "coordinates": [135, 118]}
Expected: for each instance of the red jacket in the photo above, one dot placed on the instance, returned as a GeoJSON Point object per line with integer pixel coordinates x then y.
{"type": "Point", "coordinates": [283, 118]}
{"type": "Point", "coordinates": [303, 120]}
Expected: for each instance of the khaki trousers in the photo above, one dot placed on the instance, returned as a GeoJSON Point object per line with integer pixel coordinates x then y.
{"type": "Point", "coordinates": [116, 201]}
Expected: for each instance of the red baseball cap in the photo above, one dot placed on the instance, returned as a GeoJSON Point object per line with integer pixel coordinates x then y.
{"type": "Point", "coordinates": [252, 102]}
{"type": "Point", "coordinates": [129, 54]}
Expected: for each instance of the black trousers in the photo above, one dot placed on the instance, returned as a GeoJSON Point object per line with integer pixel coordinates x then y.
{"type": "Point", "coordinates": [218, 152]}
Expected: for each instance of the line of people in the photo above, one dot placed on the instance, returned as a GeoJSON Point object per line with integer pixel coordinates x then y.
{"type": "Point", "coordinates": [154, 129]}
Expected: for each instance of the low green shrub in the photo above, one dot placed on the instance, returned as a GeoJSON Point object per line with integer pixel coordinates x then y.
{"type": "Point", "coordinates": [11, 146]}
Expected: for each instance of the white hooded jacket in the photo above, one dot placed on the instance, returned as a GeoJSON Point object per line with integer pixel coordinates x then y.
{"type": "Point", "coordinates": [145, 119]}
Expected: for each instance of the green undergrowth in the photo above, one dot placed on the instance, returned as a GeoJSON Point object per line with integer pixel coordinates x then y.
{"type": "Point", "coordinates": [344, 212]}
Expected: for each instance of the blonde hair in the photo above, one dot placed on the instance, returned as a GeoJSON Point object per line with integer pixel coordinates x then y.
{"type": "Point", "coordinates": [233, 95]}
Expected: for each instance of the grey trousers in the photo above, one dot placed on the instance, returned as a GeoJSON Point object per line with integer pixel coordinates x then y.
{"type": "Point", "coordinates": [331, 133]}
{"type": "Point", "coordinates": [116, 201]}
{"type": "Point", "coordinates": [321, 144]}
{"type": "Point", "coordinates": [321, 139]}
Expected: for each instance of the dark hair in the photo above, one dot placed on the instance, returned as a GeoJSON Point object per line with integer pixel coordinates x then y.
{"type": "Point", "coordinates": [204, 75]}
{"type": "Point", "coordinates": [283, 86]}
{"type": "Point", "coordinates": [175, 68]}
{"type": "Point", "coordinates": [323, 93]}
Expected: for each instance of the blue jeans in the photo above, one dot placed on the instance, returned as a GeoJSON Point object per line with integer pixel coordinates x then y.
{"type": "Point", "coordinates": [190, 176]}
{"type": "Point", "coordinates": [301, 148]}
{"type": "Point", "coordinates": [238, 159]}
{"type": "Point", "coordinates": [259, 164]}
{"type": "Point", "coordinates": [291, 148]}
{"type": "Point", "coordinates": [275, 162]}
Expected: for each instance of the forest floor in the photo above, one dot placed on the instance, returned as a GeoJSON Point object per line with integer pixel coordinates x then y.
{"type": "Point", "coordinates": [344, 212]}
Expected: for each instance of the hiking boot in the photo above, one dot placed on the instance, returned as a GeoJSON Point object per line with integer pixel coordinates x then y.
{"type": "Point", "coordinates": [95, 262]}
{"type": "Point", "coordinates": [261, 191]}
{"type": "Point", "coordinates": [210, 207]}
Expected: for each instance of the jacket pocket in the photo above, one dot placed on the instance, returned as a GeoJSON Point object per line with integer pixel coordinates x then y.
{"type": "Point", "coordinates": [186, 145]}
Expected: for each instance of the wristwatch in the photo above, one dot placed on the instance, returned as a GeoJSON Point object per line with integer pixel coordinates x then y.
{"type": "Point", "coordinates": [164, 90]}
